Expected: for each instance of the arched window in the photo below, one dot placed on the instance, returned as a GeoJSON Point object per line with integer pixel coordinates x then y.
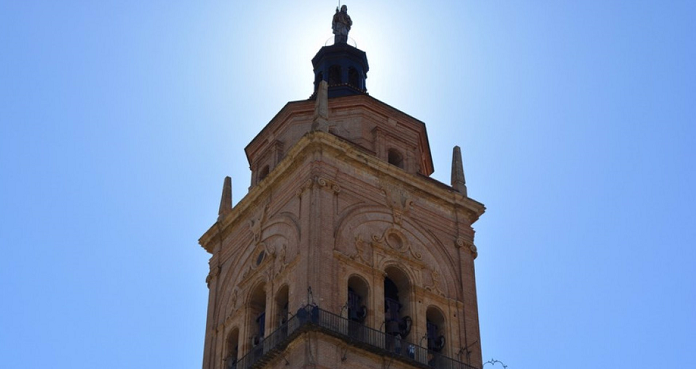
{"type": "Point", "coordinates": [257, 316]}
{"type": "Point", "coordinates": [263, 173]}
{"type": "Point", "coordinates": [358, 292]}
{"type": "Point", "coordinates": [397, 303]}
{"type": "Point", "coordinates": [353, 77]}
{"type": "Point", "coordinates": [357, 299]}
{"type": "Point", "coordinates": [435, 324]}
{"type": "Point", "coordinates": [232, 349]}
{"type": "Point", "coordinates": [282, 308]}
{"type": "Point", "coordinates": [394, 157]}
{"type": "Point", "coordinates": [435, 332]}
{"type": "Point", "coordinates": [335, 75]}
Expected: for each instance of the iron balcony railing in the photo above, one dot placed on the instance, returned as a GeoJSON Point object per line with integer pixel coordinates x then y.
{"type": "Point", "coordinates": [310, 318]}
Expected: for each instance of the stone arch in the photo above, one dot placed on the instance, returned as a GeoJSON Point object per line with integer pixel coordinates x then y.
{"type": "Point", "coordinates": [354, 218]}
{"type": "Point", "coordinates": [436, 333]}
{"type": "Point", "coordinates": [279, 241]}
{"type": "Point", "coordinates": [236, 275]}
{"type": "Point", "coordinates": [395, 157]}
{"type": "Point", "coordinates": [358, 298]}
{"type": "Point", "coordinates": [256, 311]}
{"type": "Point", "coordinates": [357, 225]}
{"type": "Point", "coordinates": [230, 296]}
{"type": "Point", "coordinates": [232, 349]}
{"type": "Point", "coordinates": [399, 298]}
{"type": "Point", "coordinates": [282, 302]}
{"type": "Point", "coordinates": [280, 230]}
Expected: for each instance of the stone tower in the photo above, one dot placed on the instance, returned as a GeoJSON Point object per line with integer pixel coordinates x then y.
{"type": "Point", "coordinates": [344, 253]}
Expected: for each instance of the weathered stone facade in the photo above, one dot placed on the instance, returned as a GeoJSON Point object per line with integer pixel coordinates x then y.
{"type": "Point", "coordinates": [351, 207]}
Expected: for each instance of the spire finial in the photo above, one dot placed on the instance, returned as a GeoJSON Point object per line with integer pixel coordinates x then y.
{"type": "Point", "coordinates": [341, 25]}
{"type": "Point", "coordinates": [458, 181]}
{"type": "Point", "coordinates": [226, 200]}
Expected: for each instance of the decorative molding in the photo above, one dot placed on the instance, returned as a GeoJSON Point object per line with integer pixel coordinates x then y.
{"type": "Point", "coordinates": [256, 223]}
{"type": "Point", "coordinates": [246, 273]}
{"type": "Point", "coordinates": [214, 272]}
{"type": "Point", "coordinates": [323, 182]}
{"type": "Point", "coordinates": [397, 241]}
{"type": "Point", "coordinates": [302, 188]}
{"type": "Point", "coordinates": [435, 286]}
{"type": "Point", "coordinates": [398, 200]}
{"type": "Point", "coordinates": [235, 297]}
{"type": "Point", "coordinates": [228, 320]}
{"type": "Point", "coordinates": [360, 251]}
{"type": "Point", "coordinates": [470, 216]}
{"type": "Point", "coordinates": [269, 274]}
{"type": "Point", "coordinates": [253, 267]}
{"type": "Point", "coordinates": [349, 262]}
{"type": "Point", "coordinates": [233, 308]}
{"type": "Point", "coordinates": [281, 260]}
{"type": "Point", "coordinates": [379, 262]}
{"type": "Point", "coordinates": [468, 244]}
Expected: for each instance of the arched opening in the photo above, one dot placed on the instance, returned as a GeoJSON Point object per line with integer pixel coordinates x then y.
{"type": "Point", "coordinates": [358, 292]}
{"type": "Point", "coordinates": [357, 299]}
{"type": "Point", "coordinates": [232, 349]}
{"type": "Point", "coordinates": [397, 305]}
{"type": "Point", "coordinates": [257, 318]}
{"type": "Point", "coordinates": [264, 173]}
{"type": "Point", "coordinates": [435, 332]}
{"type": "Point", "coordinates": [353, 77]}
{"type": "Point", "coordinates": [282, 307]}
{"type": "Point", "coordinates": [394, 157]}
{"type": "Point", "coordinates": [335, 75]}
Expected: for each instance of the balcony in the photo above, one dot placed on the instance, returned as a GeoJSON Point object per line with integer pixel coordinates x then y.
{"type": "Point", "coordinates": [311, 318]}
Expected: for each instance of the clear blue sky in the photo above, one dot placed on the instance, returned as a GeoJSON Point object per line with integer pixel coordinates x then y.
{"type": "Point", "coordinates": [120, 119]}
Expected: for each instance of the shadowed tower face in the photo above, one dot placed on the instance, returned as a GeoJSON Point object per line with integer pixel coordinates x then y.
{"type": "Point", "coordinates": [344, 253]}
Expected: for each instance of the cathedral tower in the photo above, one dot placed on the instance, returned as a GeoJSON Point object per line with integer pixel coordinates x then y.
{"type": "Point", "coordinates": [344, 253]}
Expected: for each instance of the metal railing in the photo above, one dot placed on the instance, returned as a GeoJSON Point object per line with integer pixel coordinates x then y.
{"type": "Point", "coordinates": [312, 318]}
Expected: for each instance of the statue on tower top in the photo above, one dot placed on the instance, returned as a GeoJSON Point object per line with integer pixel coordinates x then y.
{"type": "Point", "coordinates": [341, 25]}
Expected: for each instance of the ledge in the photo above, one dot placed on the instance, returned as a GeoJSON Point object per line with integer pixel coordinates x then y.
{"type": "Point", "coordinates": [312, 318]}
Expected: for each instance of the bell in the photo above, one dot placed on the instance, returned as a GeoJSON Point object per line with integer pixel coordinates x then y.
{"type": "Point", "coordinates": [392, 327]}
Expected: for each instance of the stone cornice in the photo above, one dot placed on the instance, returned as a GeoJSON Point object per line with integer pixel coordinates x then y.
{"type": "Point", "coordinates": [329, 144]}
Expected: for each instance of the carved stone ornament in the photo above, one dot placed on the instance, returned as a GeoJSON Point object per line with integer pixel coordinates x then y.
{"type": "Point", "coordinates": [214, 272]}
{"type": "Point", "coordinates": [281, 261]}
{"type": "Point", "coordinates": [305, 186]}
{"type": "Point", "coordinates": [256, 223]}
{"type": "Point", "coordinates": [257, 260]}
{"type": "Point", "coordinates": [399, 201]}
{"type": "Point", "coordinates": [396, 240]}
{"type": "Point", "coordinates": [228, 320]}
{"type": "Point", "coordinates": [435, 286]}
{"type": "Point", "coordinates": [233, 306]}
{"type": "Point", "coordinates": [360, 250]}
{"type": "Point", "coordinates": [235, 296]}
{"type": "Point", "coordinates": [464, 243]}
{"type": "Point", "coordinates": [269, 274]}
{"type": "Point", "coordinates": [323, 182]}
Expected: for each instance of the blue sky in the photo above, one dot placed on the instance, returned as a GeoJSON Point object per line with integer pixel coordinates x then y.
{"type": "Point", "coordinates": [120, 119]}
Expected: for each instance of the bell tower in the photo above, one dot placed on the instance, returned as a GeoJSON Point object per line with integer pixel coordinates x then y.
{"type": "Point", "coordinates": [344, 253]}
